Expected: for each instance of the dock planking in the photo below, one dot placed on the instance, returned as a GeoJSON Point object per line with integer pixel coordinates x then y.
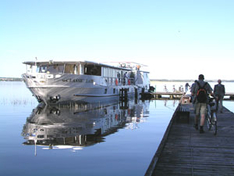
{"type": "Point", "coordinates": [184, 151]}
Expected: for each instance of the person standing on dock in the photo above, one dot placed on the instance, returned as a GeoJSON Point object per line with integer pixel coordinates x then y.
{"type": "Point", "coordinates": [219, 92]}
{"type": "Point", "coordinates": [201, 91]}
{"type": "Point", "coordinates": [187, 86]}
{"type": "Point", "coordinates": [192, 95]}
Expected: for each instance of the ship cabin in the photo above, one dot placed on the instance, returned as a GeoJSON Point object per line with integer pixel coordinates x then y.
{"type": "Point", "coordinates": [123, 74]}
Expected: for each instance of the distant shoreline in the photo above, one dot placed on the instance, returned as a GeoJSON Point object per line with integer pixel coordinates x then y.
{"type": "Point", "coordinates": [158, 80]}
{"type": "Point", "coordinates": [185, 80]}
{"type": "Point", "coordinates": [10, 79]}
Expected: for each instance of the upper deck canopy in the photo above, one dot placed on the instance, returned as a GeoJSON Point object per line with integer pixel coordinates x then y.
{"type": "Point", "coordinates": [51, 62]}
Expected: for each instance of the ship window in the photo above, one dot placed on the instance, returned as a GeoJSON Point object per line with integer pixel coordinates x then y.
{"type": "Point", "coordinates": [55, 69]}
{"type": "Point", "coordinates": [50, 69]}
{"type": "Point", "coordinates": [69, 68]}
{"type": "Point", "coordinates": [106, 72]}
{"type": "Point", "coordinates": [43, 69]}
{"type": "Point", "coordinates": [113, 91]}
{"type": "Point", "coordinates": [40, 136]}
{"type": "Point", "coordinates": [38, 70]}
{"type": "Point", "coordinates": [92, 70]}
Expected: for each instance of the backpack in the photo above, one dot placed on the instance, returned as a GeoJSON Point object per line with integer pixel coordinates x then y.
{"type": "Point", "coordinates": [201, 93]}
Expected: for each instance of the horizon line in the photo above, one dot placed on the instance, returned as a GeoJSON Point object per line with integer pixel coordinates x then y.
{"type": "Point", "coordinates": [161, 80]}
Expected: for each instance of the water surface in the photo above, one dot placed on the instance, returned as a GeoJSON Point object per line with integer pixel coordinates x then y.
{"type": "Point", "coordinates": [103, 139]}
{"type": "Point", "coordinates": [80, 139]}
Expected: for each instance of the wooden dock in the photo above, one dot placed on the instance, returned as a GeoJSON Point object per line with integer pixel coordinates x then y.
{"type": "Point", "coordinates": [163, 95]}
{"type": "Point", "coordinates": [176, 95]}
{"type": "Point", "coordinates": [170, 95]}
{"type": "Point", "coordinates": [184, 151]}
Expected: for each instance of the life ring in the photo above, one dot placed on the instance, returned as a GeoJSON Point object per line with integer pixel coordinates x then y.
{"type": "Point", "coordinates": [116, 82]}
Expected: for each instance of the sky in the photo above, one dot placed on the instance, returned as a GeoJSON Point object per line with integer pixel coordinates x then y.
{"type": "Point", "coordinates": [177, 39]}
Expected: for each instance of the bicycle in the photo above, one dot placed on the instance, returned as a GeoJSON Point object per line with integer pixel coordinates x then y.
{"type": "Point", "coordinates": [211, 117]}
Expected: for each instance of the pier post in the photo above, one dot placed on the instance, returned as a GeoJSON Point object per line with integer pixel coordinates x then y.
{"type": "Point", "coordinates": [136, 93]}
{"type": "Point", "coordinates": [123, 94]}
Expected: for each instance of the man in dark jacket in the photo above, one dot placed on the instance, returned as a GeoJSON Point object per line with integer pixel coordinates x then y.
{"type": "Point", "coordinates": [219, 92]}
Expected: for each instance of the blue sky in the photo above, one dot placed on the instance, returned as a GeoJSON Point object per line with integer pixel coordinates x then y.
{"type": "Point", "coordinates": [177, 39]}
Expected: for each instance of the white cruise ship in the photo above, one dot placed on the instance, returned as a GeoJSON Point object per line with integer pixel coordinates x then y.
{"type": "Point", "coordinates": [63, 81]}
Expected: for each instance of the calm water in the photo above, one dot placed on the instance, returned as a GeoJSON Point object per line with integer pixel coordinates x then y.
{"type": "Point", "coordinates": [102, 139]}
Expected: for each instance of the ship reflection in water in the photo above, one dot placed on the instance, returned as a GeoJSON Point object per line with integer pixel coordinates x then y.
{"type": "Point", "coordinates": [74, 126]}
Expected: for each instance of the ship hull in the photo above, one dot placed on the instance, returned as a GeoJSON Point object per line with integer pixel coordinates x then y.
{"type": "Point", "coordinates": [79, 92]}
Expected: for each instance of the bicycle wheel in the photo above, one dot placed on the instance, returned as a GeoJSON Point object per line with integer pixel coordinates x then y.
{"type": "Point", "coordinates": [208, 122]}
{"type": "Point", "coordinates": [214, 123]}
{"type": "Point", "coordinates": [215, 128]}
